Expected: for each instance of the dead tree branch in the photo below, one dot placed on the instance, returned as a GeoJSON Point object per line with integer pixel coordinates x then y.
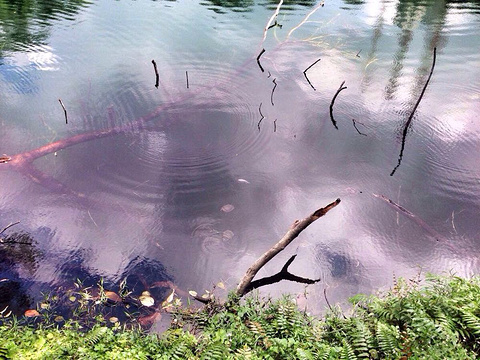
{"type": "Point", "coordinates": [295, 230]}
{"type": "Point", "coordinates": [407, 124]}
{"type": "Point", "coordinates": [333, 101]}
{"type": "Point", "coordinates": [281, 275]}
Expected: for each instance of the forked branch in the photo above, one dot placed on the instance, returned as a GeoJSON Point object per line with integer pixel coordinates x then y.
{"type": "Point", "coordinates": [281, 275]}
{"type": "Point", "coordinates": [298, 226]}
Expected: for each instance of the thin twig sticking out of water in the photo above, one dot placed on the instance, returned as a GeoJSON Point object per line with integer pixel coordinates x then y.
{"type": "Point", "coordinates": [258, 60]}
{"type": "Point", "coordinates": [64, 110]}
{"type": "Point", "coordinates": [271, 96]}
{"type": "Point", "coordinates": [333, 101]}
{"type": "Point", "coordinates": [355, 126]}
{"type": "Point", "coordinates": [274, 16]}
{"type": "Point", "coordinates": [305, 74]}
{"type": "Point", "coordinates": [263, 117]}
{"type": "Point", "coordinates": [9, 226]}
{"type": "Point", "coordinates": [407, 124]}
{"type": "Point", "coordinates": [157, 77]}
{"type": "Point", "coordinates": [275, 24]}
{"type": "Point", "coordinates": [275, 125]}
{"type": "Point", "coordinates": [186, 74]}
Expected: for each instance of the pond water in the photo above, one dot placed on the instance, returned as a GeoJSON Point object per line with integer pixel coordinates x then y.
{"type": "Point", "coordinates": [200, 180]}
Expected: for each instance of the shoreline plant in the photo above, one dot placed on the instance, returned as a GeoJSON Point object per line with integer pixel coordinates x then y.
{"type": "Point", "coordinates": [438, 318]}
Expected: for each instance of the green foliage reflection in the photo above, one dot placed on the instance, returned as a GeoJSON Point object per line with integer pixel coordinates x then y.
{"type": "Point", "coordinates": [26, 23]}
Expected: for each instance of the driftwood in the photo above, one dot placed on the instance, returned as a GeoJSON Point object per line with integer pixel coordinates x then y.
{"type": "Point", "coordinates": [407, 124]}
{"type": "Point", "coordinates": [298, 226]}
{"type": "Point", "coordinates": [333, 101]}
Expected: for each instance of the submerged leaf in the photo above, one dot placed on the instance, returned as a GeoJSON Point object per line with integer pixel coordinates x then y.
{"type": "Point", "coordinates": [146, 299]}
{"type": "Point", "coordinates": [227, 208]}
{"type": "Point", "coordinates": [169, 298]}
{"type": "Point", "coordinates": [228, 235]}
{"type": "Point", "coordinates": [31, 313]}
{"type": "Point", "coordinates": [113, 296]}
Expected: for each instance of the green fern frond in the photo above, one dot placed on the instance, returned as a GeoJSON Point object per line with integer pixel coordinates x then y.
{"type": "Point", "coordinates": [362, 340]}
{"type": "Point", "coordinates": [472, 321]}
{"type": "Point", "coordinates": [95, 335]}
{"type": "Point", "coordinates": [388, 338]}
{"type": "Point", "coordinates": [347, 352]}
{"type": "Point", "coordinates": [181, 352]}
{"type": "Point", "coordinates": [216, 351]}
{"type": "Point", "coordinates": [4, 353]}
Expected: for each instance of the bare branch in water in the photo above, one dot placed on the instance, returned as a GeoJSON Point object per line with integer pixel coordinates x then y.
{"type": "Point", "coordinates": [64, 110]}
{"type": "Point", "coordinates": [420, 222]}
{"type": "Point", "coordinates": [274, 16]}
{"type": "Point", "coordinates": [263, 117]}
{"type": "Point", "coordinates": [275, 125]}
{"type": "Point", "coordinates": [407, 124]}
{"type": "Point", "coordinates": [275, 24]}
{"type": "Point", "coordinates": [9, 226]}
{"type": "Point", "coordinates": [271, 96]}
{"type": "Point", "coordinates": [295, 230]}
{"type": "Point", "coordinates": [157, 77]}
{"type": "Point", "coordinates": [186, 74]}
{"type": "Point", "coordinates": [258, 60]}
{"type": "Point", "coordinates": [281, 275]}
{"type": "Point", "coordinates": [333, 101]}
{"type": "Point", "coordinates": [355, 126]}
{"type": "Point", "coordinates": [305, 74]}
{"type": "Point", "coordinates": [358, 54]}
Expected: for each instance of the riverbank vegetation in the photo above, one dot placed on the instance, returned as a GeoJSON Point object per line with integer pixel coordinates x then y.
{"type": "Point", "coordinates": [438, 318]}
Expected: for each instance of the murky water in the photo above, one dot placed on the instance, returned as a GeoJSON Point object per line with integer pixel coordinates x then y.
{"type": "Point", "coordinates": [202, 180]}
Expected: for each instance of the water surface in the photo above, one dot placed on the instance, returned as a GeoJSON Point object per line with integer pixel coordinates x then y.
{"type": "Point", "coordinates": [155, 188]}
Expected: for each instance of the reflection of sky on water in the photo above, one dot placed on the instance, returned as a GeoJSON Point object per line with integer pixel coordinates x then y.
{"type": "Point", "coordinates": [158, 189]}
